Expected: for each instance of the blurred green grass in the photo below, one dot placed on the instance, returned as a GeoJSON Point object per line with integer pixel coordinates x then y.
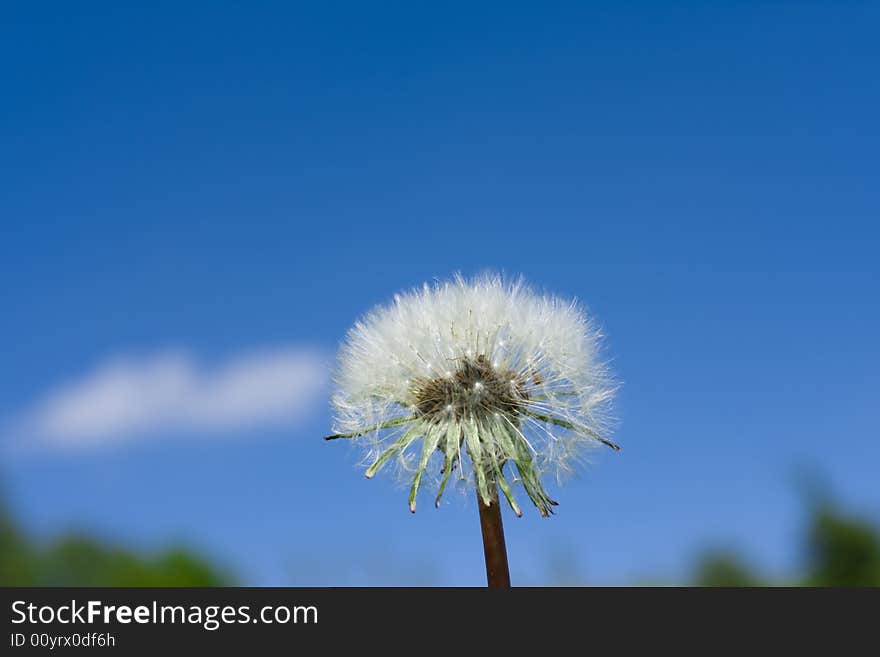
{"type": "Point", "coordinates": [838, 548]}
{"type": "Point", "coordinates": [77, 559]}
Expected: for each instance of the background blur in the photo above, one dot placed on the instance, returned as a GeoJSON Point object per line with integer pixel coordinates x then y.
{"type": "Point", "coordinates": [198, 200]}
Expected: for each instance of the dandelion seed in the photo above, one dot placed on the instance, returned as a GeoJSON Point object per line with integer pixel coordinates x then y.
{"type": "Point", "coordinates": [478, 367]}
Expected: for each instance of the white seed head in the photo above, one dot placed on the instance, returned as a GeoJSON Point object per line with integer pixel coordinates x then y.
{"type": "Point", "coordinates": [481, 370]}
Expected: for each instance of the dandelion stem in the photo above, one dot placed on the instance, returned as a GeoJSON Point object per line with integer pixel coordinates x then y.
{"type": "Point", "coordinates": [497, 570]}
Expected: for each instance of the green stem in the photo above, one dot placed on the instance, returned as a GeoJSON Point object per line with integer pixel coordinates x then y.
{"type": "Point", "coordinates": [387, 424]}
{"type": "Point", "coordinates": [574, 427]}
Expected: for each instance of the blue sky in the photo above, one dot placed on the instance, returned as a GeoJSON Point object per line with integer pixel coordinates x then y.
{"type": "Point", "coordinates": [212, 187]}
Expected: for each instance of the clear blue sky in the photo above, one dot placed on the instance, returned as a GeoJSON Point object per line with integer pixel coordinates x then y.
{"type": "Point", "coordinates": [238, 176]}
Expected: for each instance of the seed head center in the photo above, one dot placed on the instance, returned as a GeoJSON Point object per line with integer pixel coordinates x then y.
{"type": "Point", "coordinates": [475, 389]}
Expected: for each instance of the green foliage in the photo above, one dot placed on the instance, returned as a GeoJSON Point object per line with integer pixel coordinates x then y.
{"type": "Point", "coordinates": [79, 560]}
{"type": "Point", "coordinates": [840, 549]}
{"type": "Point", "coordinates": [16, 558]}
{"type": "Point", "coordinates": [724, 568]}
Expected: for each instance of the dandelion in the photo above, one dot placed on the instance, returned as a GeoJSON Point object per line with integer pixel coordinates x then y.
{"type": "Point", "coordinates": [479, 378]}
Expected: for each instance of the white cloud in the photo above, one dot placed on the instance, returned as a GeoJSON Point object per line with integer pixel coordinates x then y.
{"type": "Point", "coordinates": [138, 397]}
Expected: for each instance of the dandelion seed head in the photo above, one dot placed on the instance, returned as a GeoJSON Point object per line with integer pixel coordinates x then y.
{"type": "Point", "coordinates": [479, 369]}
